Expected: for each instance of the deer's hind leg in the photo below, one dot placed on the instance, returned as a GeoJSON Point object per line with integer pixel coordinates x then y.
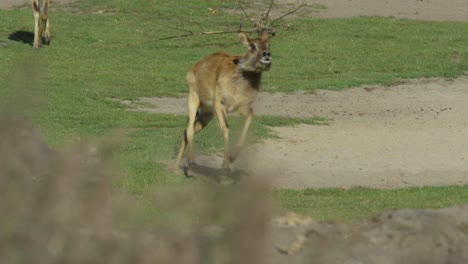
{"type": "Point", "coordinates": [46, 21]}
{"type": "Point", "coordinates": [193, 106]}
{"type": "Point", "coordinates": [198, 119]}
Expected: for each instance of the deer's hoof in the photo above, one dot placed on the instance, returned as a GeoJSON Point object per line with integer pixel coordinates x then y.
{"type": "Point", "coordinates": [190, 165]}
{"type": "Point", "coordinates": [186, 170]}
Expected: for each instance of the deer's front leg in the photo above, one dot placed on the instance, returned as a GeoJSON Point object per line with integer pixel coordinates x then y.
{"type": "Point", "coordinates": [37, 32]}
{"type": "Point", "coordinates": [45, 21]}
{"type": "Point", "coordinates": [248, 114]}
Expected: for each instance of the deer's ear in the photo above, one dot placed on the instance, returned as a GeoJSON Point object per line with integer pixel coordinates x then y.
{"type": "Point", "coordinates": [243, 40]}
{"type": "Point", "coordinates": [264, 35]}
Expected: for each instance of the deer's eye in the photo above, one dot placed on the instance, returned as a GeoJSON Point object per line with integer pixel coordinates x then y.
{"type": "Point", "coordinates": [253, 47]}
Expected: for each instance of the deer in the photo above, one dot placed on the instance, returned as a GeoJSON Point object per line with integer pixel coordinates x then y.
{"type": "Point", "coordinates": [220, 84]}
{"type": "Point", "coordinates": [41, 22]}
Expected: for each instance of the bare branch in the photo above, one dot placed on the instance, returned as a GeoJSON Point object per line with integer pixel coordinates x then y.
{"type": "Point", "coordinates": [189, 34]}
{"type": "Point", "coordinates": [239, 4]}
{"type": "Point", "coordinates": [268, 12]}
{"type": "Point", "coordinates": [204, 33]}
{"type": "Point", "coordinates": [262, 22]}
{"type": "Point", "coordinates": [182, 29]}
{"type": "Point", "coordinates": [287, 14]}
{"type": "Point", "coordinates": [261, 25]}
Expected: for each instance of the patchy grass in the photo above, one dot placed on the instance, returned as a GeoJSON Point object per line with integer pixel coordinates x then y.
{"type": "Point", "coordinates": [277, 121]}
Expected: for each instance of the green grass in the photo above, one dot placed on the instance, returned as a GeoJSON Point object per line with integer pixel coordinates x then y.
{"type": "Point", "coordinates": [359, 203]}
{"type": "Point", "coordinates": [340, 53]}
{"type": "Point", "coordinates": [108, 49]}
{"type": "Point", "coordinates": [278, 121]}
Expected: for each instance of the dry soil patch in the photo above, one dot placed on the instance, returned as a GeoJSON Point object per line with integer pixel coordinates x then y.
{"type": "Point", "coordinates": [449, 10]}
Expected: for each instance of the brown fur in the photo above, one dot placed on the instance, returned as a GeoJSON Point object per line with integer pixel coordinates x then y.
{"type": "Point", "coordinates": [41, 22]}
{"type": "Point", "coordinates": [223, 83]}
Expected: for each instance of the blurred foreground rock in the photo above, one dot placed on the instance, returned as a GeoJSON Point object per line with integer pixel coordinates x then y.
{"type": "Point", "coordinates": [402, 236]}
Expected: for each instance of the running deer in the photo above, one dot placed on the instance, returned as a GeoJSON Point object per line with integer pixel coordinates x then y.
{"type": "Point", "coordinates": [222, 83]}
{"type": "Point", "coordinates": [41, 22]}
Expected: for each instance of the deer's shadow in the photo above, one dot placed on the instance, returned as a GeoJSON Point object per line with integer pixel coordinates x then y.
{"type": "Point", "coordinates": [22, 36]}
{"type": "Point", "coordinates": [216, 174]}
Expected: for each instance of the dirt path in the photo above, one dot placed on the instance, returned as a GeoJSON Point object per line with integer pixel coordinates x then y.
{"type": "Point", "coordinates": [409, 135]}
{"type": "Point", "coordinates": [448, 10]}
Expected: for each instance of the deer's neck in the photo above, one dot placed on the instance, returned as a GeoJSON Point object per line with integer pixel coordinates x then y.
{"type": "Point", "coordinates": [252, 78]}
{"type": "Point", "coordinates": [248, 74]}
{"type": "Point", "coordinates": [251, 64]}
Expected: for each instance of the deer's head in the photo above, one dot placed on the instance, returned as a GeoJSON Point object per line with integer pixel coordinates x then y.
{"type": "Point", "coordinates": [258, 56]}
